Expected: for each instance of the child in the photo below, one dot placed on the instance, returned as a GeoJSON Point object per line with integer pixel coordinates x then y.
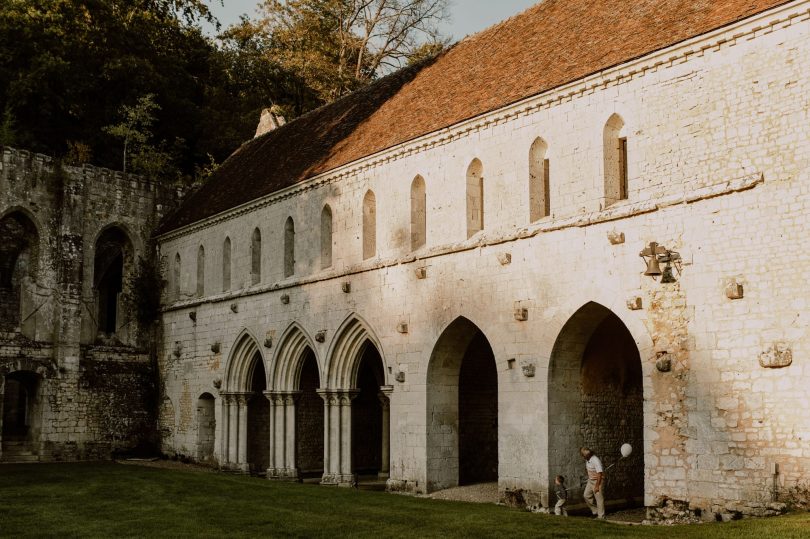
{"type": "Point", "coordinates": [562, 496]}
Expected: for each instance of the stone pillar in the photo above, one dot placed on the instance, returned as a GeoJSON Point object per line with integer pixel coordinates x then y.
{"type": "Point", "coordinates": [2, 395]}
{"type": "Point", "coordinates": [242, 459]}
{"type": "Point", "coordinates": [290, 465]}
{"type": "Point", "coordinates": [233, 433]}
{"type": "Point", "coordinates": [224, 430]}
{"type": "Point", "coordinates": [385, 401]}
{"type": "Point", "coordinates": [271, 414]}
{"type": "Point", "coordinates": [328, 475]}
{"type": "Point", "coordinates": [346, 476]}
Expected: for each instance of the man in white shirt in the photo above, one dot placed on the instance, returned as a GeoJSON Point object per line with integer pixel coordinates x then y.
{"type": "Point", "coordinates": [594, 496]}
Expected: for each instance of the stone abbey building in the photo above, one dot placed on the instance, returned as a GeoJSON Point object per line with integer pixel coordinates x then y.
{"type": "Point", "coordinates": [582, 226]}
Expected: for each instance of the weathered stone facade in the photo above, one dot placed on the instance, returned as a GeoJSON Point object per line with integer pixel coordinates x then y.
{"type": "Point", "coordinates": [76, 376]}
{"type": "Point", "coordinates": [705, 375]}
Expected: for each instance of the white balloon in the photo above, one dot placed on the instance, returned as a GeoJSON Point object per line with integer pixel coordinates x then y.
{"type": "Point", "coordinates": [626, 449]}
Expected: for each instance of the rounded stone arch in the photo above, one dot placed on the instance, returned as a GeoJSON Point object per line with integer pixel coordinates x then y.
{"type": "Point", "coordinates": [134, 239]}
{"type": "Point", "coordinates": [346, 350]}
{"type": "Point", "coordinates": [240, 366]}
{"type": "Point", "coordinates": [35, 224]}
{"type": "Point", "coordinates": [286, 364]}
{"type": "Point", "coordinates": [598, 389]}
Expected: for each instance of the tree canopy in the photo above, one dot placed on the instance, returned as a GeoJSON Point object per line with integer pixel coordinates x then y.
{"type": "Point", "coordinates": [74, 72]}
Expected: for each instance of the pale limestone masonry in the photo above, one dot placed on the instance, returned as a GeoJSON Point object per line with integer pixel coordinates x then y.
{"type": "Point", "coordinates": [76, 380]}
{"type": "Point", "coordinates": [718, 158]}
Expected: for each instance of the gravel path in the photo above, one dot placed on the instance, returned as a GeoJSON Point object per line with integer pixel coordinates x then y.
{"type": "Point", "coordinates": [479, 493]}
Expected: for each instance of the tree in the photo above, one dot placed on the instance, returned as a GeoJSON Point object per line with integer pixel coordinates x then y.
{"type": "Point", "coordinates": [339, 45]}
{"type": "Point", "coordinates": [135, 127]}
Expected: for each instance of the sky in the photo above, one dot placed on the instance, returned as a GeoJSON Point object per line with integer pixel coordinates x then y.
{"type": "Point", "coordinates": [467, 16]}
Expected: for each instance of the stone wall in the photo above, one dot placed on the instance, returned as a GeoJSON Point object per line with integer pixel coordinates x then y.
{"type": "Point", "coordinates": [718, 160]}
{"type": "Point", "coordinates": [96, 390]}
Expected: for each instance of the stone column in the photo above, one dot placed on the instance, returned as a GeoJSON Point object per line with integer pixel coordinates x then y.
{"type": "Point", "coordinates": [331, 437]}
{"type": "Point", "coordinates": [233, 431]}
{"type": "Point", "coordinates": [2, 395]}
{"type": "Point", "coordinates": [346, 476]}
{"type": "Point", "coordinates": [242, 461]}
{"type": "Point", "coordinates": [271, 415]}
{"type": "Point", "coordinates": [224, 435]}
{"type": "Point", "coordinates": [385, 401]}
{"type": "Point", "coordinates": [291, 465]}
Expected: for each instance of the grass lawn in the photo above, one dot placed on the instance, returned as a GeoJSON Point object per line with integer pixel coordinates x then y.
{"type": "Point", "coordinates": [106, 499]}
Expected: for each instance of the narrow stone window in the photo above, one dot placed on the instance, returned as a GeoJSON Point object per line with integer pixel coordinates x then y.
{"type": "Point", "coordinates": [201, 271]}
{"type": "Point", "coordinates": [289, 247]}
{"type": "Point", "coordinates": [539, 197]}
{"type": "Point", "coordinates": [19, 252]}
{"type": "Point", "coordinates": [475, 198]}
{"type": "Point", "coordinates": [418, 213]}
{"type": "Point", "coordinates": [369, 225]}
{"type": "Point", "coordinates": [226, 265]}
{"type": "Point", "coordinates": [176, 290]}
{"type": "Point", "coordinates": [615, 155]}
{"type": "Point", "coordinates": [256, 257]}
{"type": "Point", "coordinates": [326, 237]}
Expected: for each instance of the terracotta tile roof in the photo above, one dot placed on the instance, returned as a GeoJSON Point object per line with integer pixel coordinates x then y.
{"type": "Point", "coordinates": [548, 45]}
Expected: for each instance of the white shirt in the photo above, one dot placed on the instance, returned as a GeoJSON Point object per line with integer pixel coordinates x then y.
{"type": "Point", "coordinates": [594, 467]}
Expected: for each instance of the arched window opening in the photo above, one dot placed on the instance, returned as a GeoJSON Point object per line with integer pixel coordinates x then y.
{"type": "Point", "coordinates": [475, 198]}
{"type": "Point", "coordinates": [206, 428]}
{"type": "Point", "coordinates": [176, 275]}
{"type": "Point", "coordinates": [326, 237]}
{"type": "Point", "coordinates": [256, 257]}
{"type": "Point", "coordinates": [113, 253]}
{"type": "Point", "coordinates": [369, 225]}
{"type": "Point", "coordinates": [19, 252]}
{"type": "Point", "coordinates": [226, 265]}
{"type": "Point", "coordinates": [615, 154]}
{"type": "Point", "coordinates": [418, 213]}
{"type": "Point", "coordinates": [539, 196]}
{"type": "Point", "coordinates": [201, 271]}
{"type": "Point", "coordinates": [289, 247]}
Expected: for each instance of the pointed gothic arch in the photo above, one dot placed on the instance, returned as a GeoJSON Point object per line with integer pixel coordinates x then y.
{"type": "Point", "coordinates": [285, 370]}
{"type": "Point", "coordinates": [346, 350]}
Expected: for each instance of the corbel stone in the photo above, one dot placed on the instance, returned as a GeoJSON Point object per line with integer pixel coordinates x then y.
{"type": "Point", "coordinates": [402, 327]}
{"type": "Point", "coordinates": [320, 336]}
{"type": "Point", "coordinates": [521, 314]}
{"type": "Point", "coordinates": [346, 286]}
{"type": "Point", "coordinates": [215, 347]}
{"type": "Point", "coordinates": [193, 316]}
{"type": "Point", "coordinates": [234, 308]}
{"type": "Point", "coordinates": [421, 273]}
{"type": "Point", "coordinates": [777, 356]}
{"type": "Point", "coordinates": [615, 237]}
{"type": "Point", "coordinates": [635, 303]}
{"type": "Point", "coordinates": [285, 299]}
{"type": "Point", "coordinates": [663, 362]}
{"type": "Point", "coordinates": [734, 290]}
{"type": "Point", "coordinates": [505, 258]}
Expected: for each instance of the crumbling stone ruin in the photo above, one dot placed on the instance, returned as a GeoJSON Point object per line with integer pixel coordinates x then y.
{"type": "Point", "coordinates": [76, 378]}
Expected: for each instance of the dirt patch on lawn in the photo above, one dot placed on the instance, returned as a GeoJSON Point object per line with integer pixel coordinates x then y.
{"type": "Point", "coordinates": [166, 464]}
{"type": "Point", "coordinates": [479, 493]}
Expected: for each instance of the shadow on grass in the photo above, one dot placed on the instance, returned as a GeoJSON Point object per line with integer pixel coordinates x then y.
{"type": "Point", "coordinates": [106, 499]}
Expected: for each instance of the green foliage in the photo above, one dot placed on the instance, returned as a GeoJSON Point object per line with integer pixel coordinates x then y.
{"type": "Point", "coordinates": [115, 500]}
{"type": "Point", "coordinates": [7, 128]}
{"type": "Point", "coordinates": [135, 128]}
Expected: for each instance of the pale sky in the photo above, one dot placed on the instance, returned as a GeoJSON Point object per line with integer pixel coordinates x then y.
{"type": "Point", "coordinates": [467, 16]}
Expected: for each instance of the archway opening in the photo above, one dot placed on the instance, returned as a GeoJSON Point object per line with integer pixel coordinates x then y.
{"type": "Point", "coordinates": [206, 427]}
{"type": "Point", "coordinates": [258, 420]}
{"type": "Point", "coordinates": [20, 403]}
{"type": "Point", "coordinates": [309, 420]}
{"type": "Point", "coordinates": [367, 416]}
{"type": "Point", "coordinates": [462, 408]}
{"type": "Point", "coordinates": [19, 242]}
{"type": "Point", "coordinates": [112, 253]}
{"type": "Point", "coordinates": [596, 401]}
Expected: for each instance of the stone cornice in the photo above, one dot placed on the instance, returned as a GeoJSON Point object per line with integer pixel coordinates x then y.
{"type": "Point", "coordinates": [746, 29]}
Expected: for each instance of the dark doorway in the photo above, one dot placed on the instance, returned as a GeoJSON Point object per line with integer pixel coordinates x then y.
{"type": "Point", "coordinates": [367, 415]}
{"type": "Point", "coordinates": [206, 427]}
{"type": "Point", "coordinates": [112, 251]}
{"type": "Point", "coordinates": [19, 243]}
{"type": "Point", "coordinates": [258, 425]}
{"type": "Point", "coordinates": [478, 414]}
{"type": "Point", "coordinates": [309, 421]}
{"type": "Point", "coordinates": [20, 415]}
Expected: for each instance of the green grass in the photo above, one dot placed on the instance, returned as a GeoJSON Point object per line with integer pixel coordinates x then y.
{"type": "Point", "coordinates": [93, 499]}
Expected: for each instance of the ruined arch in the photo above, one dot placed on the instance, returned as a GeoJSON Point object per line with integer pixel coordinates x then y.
{"type": "Point", "coordinates": [475, 198]}
{"type": "Point", "coordinates": [418, 213]}
{"type": "Point", "coordinates": [596, 399]}
{"type": "Point", "coordinates": [539, 196]}
{"type": "Point", "coordinates": [614, 140]}
{"type": "Point", "coordinates": [462, 408]}
{"type": "Point", "coordinates": [113, 261]}
{"type": "Point", "coordinates": [19, 263]}
{"type": "Point", "coordinates": [326, 237]}
{"type": "Point", "coordinates": [369, 225]}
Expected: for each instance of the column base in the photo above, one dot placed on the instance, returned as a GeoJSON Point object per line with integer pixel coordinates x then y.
{"type": "Point", "coordinates": [341, 480]}
{"type": "Point", "coordinates": [235, 468]}
{"type": "Point", "coordinates": [383, 475]}
{"type": "Point", "coordinates": [283, 474]}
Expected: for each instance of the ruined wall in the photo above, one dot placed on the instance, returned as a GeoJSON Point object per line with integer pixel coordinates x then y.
{"type": "Point", "coordinates": [96, 392]}
{"type": "Point", "coordinates": [718, 161]}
